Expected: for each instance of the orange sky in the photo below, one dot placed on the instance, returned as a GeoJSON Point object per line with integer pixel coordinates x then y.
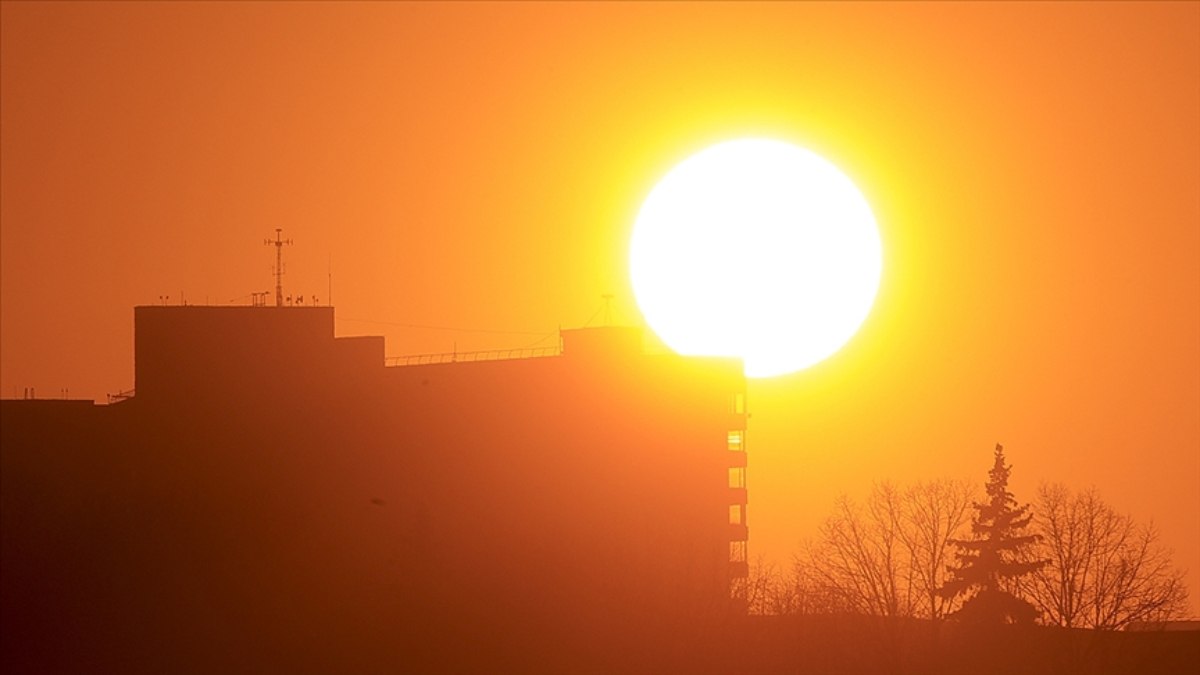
{"type": "Point", "coordinates": [1035, 170]}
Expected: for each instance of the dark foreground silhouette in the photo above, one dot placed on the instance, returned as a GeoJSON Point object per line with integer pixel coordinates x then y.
{"type": "Point", "coordinates": [857, 644]}
{"type": "Point", "coordinates": [273, 500]}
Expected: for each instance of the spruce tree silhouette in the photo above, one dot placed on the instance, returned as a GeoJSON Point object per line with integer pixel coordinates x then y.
{"type": "Point", "coordinates": [990, 563]}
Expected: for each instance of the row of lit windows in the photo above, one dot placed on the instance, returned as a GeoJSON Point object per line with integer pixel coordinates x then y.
{"type": "Point", "coordinates": [736, 442]}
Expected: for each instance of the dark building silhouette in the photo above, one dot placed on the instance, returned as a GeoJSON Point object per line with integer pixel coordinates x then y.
{"type": "Point", "coordinates": [275, 499]}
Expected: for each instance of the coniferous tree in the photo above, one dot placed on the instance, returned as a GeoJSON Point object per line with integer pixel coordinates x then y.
{"type": "Point", "coordinates": [991, 563]}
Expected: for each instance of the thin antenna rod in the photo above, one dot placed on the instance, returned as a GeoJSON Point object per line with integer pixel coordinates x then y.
{"type": "Point", "coordinates": [330, 293]}
{"type": "Point", "coordinates": [278, 242]}
{"type": "Point", "coordinates": [607, 297]}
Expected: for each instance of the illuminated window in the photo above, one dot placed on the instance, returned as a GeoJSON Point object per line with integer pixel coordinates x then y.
{"type": "Point", "coordinates": [737, 551]}
{"type": "Point", "coordinates": [737, 478]}
{"type": "Point", "coordinates": [736, 514]}
{"type": "Point", "coordinates": [736, 440]}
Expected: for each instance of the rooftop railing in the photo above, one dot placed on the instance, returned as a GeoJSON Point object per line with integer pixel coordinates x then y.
{"type": "Point", "coordinates": [121, 396]}
{"type": "Point", "coordinates": [470, 357]}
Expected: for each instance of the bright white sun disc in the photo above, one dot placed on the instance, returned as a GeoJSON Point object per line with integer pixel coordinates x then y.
{"type": "Point", "coordinates": [757, 249]}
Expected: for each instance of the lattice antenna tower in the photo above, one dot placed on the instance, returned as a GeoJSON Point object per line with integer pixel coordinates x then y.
{"type": "Point", "coordinates": [278, 243]}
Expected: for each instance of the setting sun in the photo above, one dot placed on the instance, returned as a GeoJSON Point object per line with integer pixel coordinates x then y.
{"type": "Point", "coordinates": [758, 249]}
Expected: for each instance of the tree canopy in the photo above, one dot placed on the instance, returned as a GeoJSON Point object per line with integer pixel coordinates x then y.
{"type": "Point", "coordinates": [993, 561]}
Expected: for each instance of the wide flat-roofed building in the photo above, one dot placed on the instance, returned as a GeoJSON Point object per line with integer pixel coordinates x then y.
{"type": "Point", "coordinates": [284, 498]}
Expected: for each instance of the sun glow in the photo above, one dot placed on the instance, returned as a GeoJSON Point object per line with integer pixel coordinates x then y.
{"type": "Point", "coordinates": [758, 249]}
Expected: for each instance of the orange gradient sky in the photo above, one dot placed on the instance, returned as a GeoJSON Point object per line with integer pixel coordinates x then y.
{"type": "Point", "coordinates": [1034, 168]}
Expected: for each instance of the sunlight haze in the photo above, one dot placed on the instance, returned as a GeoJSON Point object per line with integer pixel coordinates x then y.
{"type": "Point", "coordinates": [468, 176]}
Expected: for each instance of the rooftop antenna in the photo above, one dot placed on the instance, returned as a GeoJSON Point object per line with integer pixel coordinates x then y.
{"type": "Point", "coordinates": [607, 297]}
{"type": "Point", "coordinates": [278, 243]}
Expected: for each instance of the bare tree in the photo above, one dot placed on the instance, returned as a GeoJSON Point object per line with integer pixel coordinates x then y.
{"type": "Point", "coordinates": [935, 514]}
{"type": "Point", "coordinates": [887, 557]}
{"type": "Point", "coordinates": [811, 593]}
{"type": "Point", "coordinates": [765, 590]}
{"type": "Point", "coordinates": [1105, 570]}
{"type": "Point", "coordinates": [858, 555]}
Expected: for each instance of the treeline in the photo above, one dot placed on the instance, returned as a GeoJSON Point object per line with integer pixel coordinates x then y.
{"type": "Point", "coordinates": [942, 550]}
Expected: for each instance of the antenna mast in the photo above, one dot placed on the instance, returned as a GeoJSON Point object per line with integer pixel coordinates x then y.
{"type": "Point", "coordinates": [278, 243]}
